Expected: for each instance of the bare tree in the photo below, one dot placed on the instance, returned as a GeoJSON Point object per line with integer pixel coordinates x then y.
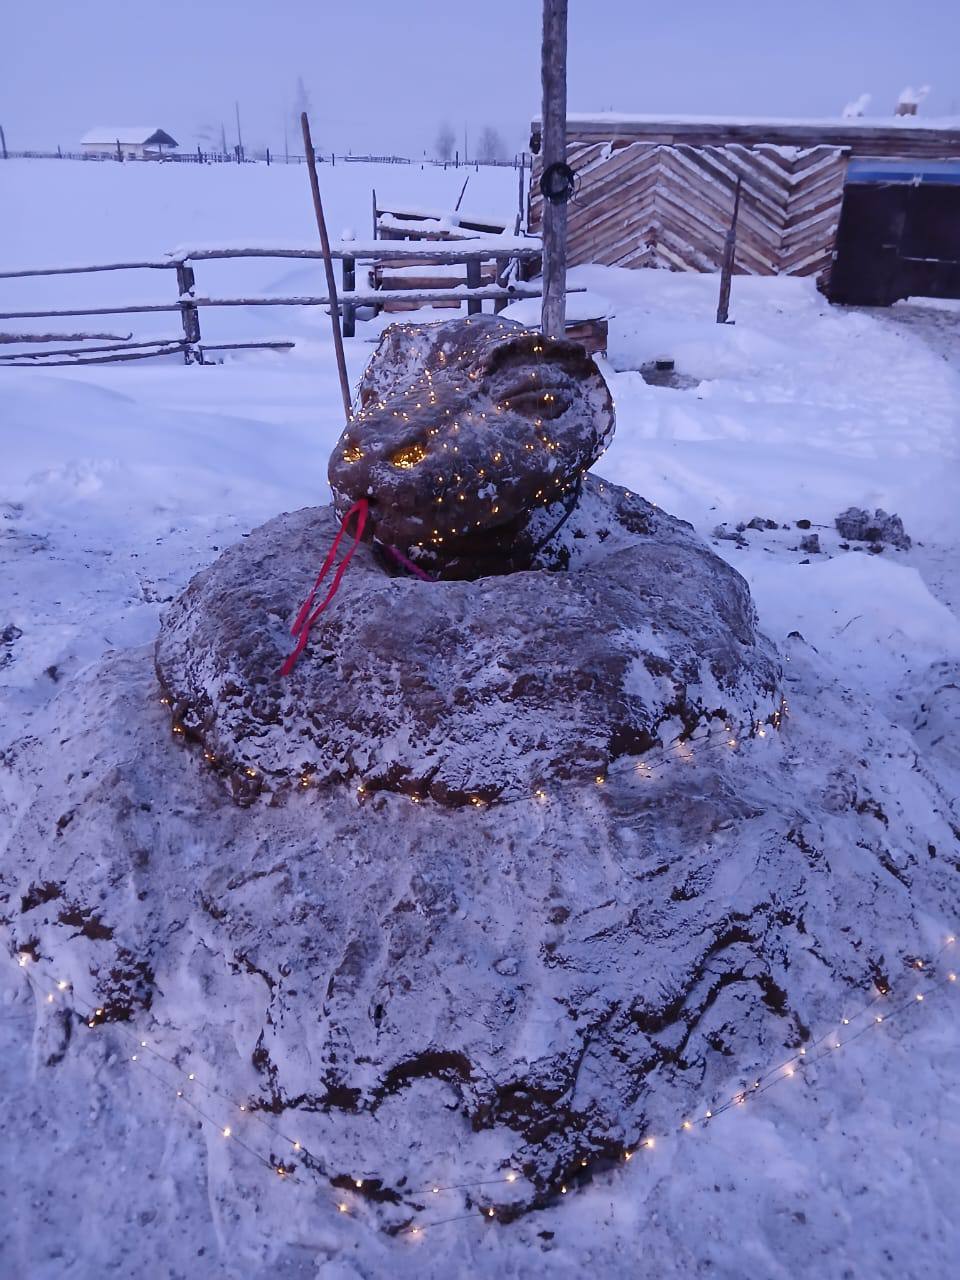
{"type": "Point", "coordinates": [490, 145]}
{"type": "Point", "coordinates": [445, 141]}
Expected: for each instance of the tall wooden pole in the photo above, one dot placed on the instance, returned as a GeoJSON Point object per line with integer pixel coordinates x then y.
{"type": "Point", "coordinates": [327, 264]}
{"type": "Point", "coordinates": [553, 76]}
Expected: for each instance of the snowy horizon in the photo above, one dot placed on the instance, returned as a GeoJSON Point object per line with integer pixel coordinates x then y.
{"type": "Point", "coordinates": [381, 78]}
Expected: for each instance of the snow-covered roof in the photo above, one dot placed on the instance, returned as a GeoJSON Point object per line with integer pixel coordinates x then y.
{"type": "Point", "coordinates": [949, 123]}
{"type": "Point", "coordinates": [129, 136]}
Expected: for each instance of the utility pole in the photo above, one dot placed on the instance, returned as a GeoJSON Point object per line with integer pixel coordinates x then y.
{"type": "Point", "coordinates": [553, 76]}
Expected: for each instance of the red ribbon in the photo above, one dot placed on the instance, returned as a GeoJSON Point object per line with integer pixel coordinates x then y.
{"type": "Point", "coordinates": [305, 619]}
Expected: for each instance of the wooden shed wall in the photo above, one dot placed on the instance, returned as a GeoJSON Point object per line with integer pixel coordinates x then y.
{"type": "Point", "coordinates": [649, 204]}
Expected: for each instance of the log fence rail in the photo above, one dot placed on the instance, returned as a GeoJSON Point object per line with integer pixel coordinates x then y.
{"type": "Point", "coordinates": [510, 253]}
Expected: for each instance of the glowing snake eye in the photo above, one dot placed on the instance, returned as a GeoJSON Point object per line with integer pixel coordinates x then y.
{"type": "Point", "coordinates": [408, 457]}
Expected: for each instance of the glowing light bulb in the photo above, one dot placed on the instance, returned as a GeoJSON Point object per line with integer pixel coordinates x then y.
{"type": "Point", "coordinates": [62, 985]}
{"type": "Point", "coordinates": [709, 1115]}
{"type": "Point", "coordinates": [23, 959]}
{"type": "Point", "coordinates": [788, 1071]}
{"type": "Point", "coordinates": [563, 1191]}
{"type": "Point", "coordinates": [490, 1213]}
{"type": "Point", "coordinates": [50, 998]}
{"type": "Point", "coordinates": [192, 1076]}
{"type": "Point", "coordinates": [919, 995]}
{"type": "Point", "coordinates": [435, 1190]}
{"type": "Point", "coordinates": [649, 1144]}
{"type": "Point", "coordinates": [628, 1155]}
{"type": "Point", "coordinates": [133, 1057]}
{"type": "Point", "coordinates": [226, 1131]}
{"type": "Point", "coordinates": [358, 1182]}
{"type": "Point", "coordinates": [179, 1093]}
{"type": "Point", "coordinates": [342, 1207]}
{"type": "Point", "coordinates": [878, 1018]}
{"type": "Point", "coordinates": [951, 977]}
{"type": "Point", "coordinates": [599, 779]}
{"type": "Point", "coordinates": [511, 1176]}
{"type": "Point", "coordinates": [296, 1146]}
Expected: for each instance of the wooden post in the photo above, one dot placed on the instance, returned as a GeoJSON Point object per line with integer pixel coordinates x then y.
{"type": "Point", "coordinates": [349, 266]}
{"type": "Point", "coordinates": [729, 254]}
{"type": "Point", "coordinates": [3, 142]}
{"type": "Point", "coordinates": [553, 75]}
{"type": "Point", "coordinates": [503, 271]}
{"type": "Point", "coordinates": [327, 264]}
{"type": "Point", "coordinates": [119, 152]}
{"type": "Point", "coordinates": [474, 305]}
{"type": "Point", "coordinates": [189, 316]}
{"type": "Point", "coordinates": [268, 157]}
{"type": "Point", "coordinates": [374, 213]}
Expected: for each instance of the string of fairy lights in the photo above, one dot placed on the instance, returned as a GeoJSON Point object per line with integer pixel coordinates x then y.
{"type": "Point", "coordinates": [421, 395]}
{"type": "Point", "coordinates": [288, 1157]}
{"type": "Point", "coordinates": [346, 1190]}
{"type": "Point", "coordinates": [724, 736]}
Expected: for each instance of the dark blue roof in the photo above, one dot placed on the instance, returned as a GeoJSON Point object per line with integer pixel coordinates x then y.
{"type": "Point", "coordinates": [915, 172]}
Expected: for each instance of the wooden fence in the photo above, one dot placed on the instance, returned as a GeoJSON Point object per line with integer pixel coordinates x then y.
{"type": "Point", "coordinates": [508, 251]}
{"type": "Point", "coordinates": [656, 205]}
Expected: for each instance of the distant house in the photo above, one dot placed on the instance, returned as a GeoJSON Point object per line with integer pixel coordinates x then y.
{"type": "Point", "coordinates": [138, 143]}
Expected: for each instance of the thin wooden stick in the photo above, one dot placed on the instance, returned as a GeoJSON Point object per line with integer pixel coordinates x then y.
{"type": "Point", "coordinates": [729, 257]}
{"type": "Point", "coordinates": [327, 265]}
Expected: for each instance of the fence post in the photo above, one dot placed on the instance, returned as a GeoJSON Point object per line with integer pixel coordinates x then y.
{"type": "Point", "coordinates": [474, 305]}
{"type": "Point", "coordinates": [189, 316]}
{"type": "Point", "coordinates": [268, 157]}
{"type": "Point", "coordinates": [349, 286]}
{"type": "Point", "coordinates": [729, 257]}
{"type": "Point", "coordinates": [119, 152]}
{"type": "Point", "coordinates": [503, 270]}
{"type": "Point", "coordinates": [3, 142]}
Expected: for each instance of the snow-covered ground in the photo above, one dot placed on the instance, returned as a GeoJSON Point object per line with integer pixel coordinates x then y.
{"type": "Point", "coordinates": [117, 483]}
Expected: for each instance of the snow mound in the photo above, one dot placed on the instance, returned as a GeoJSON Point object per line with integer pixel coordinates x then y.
{"type": "Point", "coordinates": [467, 692]}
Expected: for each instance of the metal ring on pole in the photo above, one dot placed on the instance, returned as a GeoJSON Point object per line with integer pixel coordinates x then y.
{"type": "Point", "coordinates": [558, 183]}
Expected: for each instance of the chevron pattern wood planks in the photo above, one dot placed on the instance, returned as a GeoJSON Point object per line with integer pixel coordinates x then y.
{"type": "Point", "coordinates": [656, 205]}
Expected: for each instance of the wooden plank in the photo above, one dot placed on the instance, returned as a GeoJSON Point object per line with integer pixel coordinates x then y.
{"type": "Point", "coordinates": [862, 139]}
{"type": "Point", "coordinates": [375, 250]}
{"type": "Point", "coordinates": [69, 351]}
{"type": "Point", "coordinates": [485, 293]}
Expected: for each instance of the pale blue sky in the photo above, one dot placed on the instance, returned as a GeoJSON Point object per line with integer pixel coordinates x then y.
{"type": "Point", "coordinates": [383, 73]}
